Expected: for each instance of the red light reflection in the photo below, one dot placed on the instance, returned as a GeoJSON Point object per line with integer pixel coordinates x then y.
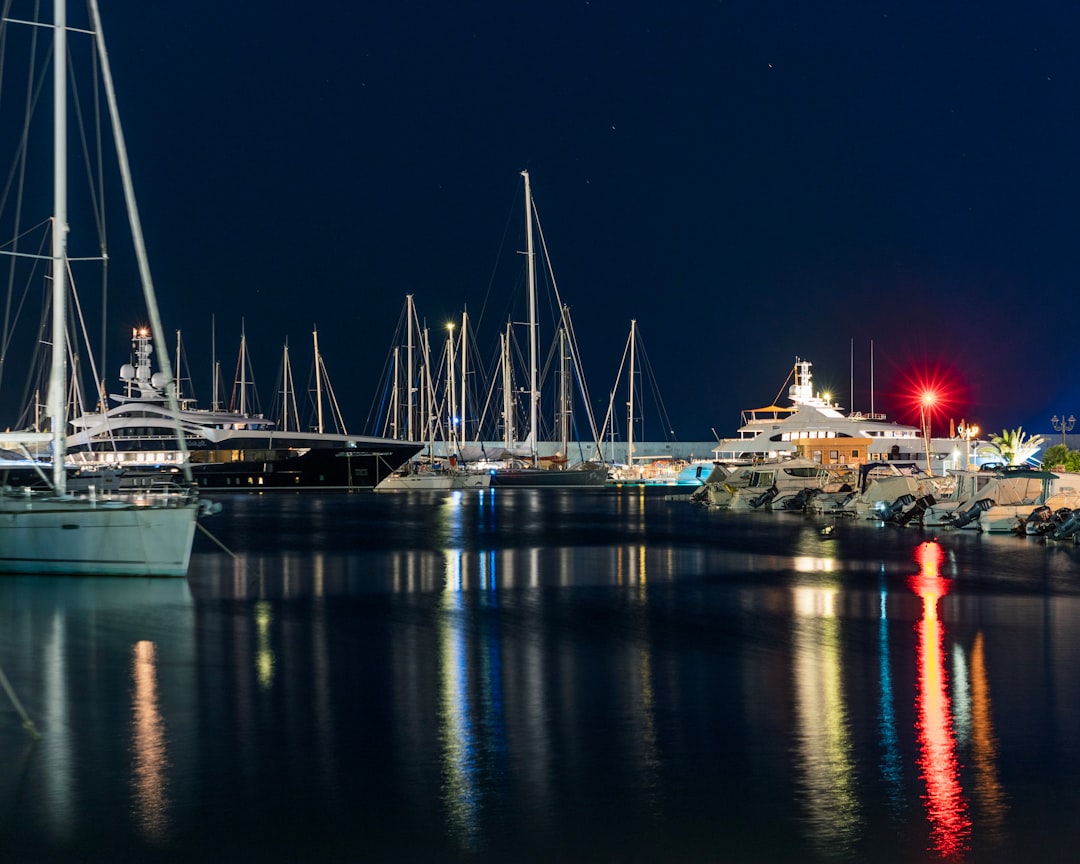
{"type": "Point", "coordinates": [946, 806]}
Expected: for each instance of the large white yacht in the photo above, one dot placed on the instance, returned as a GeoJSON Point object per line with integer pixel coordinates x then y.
{"type": "Point", "coordinates": [134, 442]}
{"type": "Point", "coordinates": [815, 427]}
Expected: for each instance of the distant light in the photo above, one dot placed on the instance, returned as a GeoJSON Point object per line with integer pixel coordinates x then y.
{"type": "Point", "coordinates": [929, 397]}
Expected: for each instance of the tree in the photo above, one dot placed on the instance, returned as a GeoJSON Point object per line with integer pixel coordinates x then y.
{"type": "Point", "coordinates": [1015, 447]}
{"type": "Point", "coordinates": [1060, 455]}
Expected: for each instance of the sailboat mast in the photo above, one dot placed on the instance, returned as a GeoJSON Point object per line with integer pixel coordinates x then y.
{"type": "Point", "coordinates": [409, 313]}
{"type": "Point", "coordinates": [534, 396]}
{"type": "Point", "coordinates": [135, 223]}
{"type": "Point", "coordinates": [318, 378]}
{"type": "Point", "coordinates": [464, 369]}
{"type": "Point", "coordinates": [243, 369]}
{"type": "Point", "coordinates": [214, 395]}
{"type": "Point", "coordinates": [451, 391]}
{"type": "Point", "coordinates": [395, 397]}
{"type": "Point", "coordinates": [564, 390]}
{"type": "Point", "coordinates": [178, 365]}
{"type": "Point", "coordinates": [508, 393]}
{"type": "Point", "coordinates": [630, 404]}
{"type": "Point", "coordinates": [57, 375]}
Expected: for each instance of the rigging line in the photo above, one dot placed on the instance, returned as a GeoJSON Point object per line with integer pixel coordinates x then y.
{"type": "Point", "coordinates": [782, 386]}
{"type": "Point", "coordinates": [33, 92]}
{"type": "Point", "coordinates": [14, 241]}
{"type": "Point", "coordinates": [96, 184]}
{"type": "Point", "coordinates": [514, 208]}
{"type": "Point", "coordinates": [77, 311]}
{"type": "Point", "coordinates": [14, 318]}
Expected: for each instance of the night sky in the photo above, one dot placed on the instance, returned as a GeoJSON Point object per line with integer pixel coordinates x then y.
{"type": "Point", "coordinates": [752, 181]}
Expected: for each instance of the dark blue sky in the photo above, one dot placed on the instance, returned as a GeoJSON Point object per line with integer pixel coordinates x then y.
{"type": "Point", "coordinates": [751, 180]}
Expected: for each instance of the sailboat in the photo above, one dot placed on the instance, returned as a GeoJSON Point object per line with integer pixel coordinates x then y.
{"type": "Point", "coordinates": [432, 474]}
{"type": "Point", "coordinates": [645, 470]}
{"type": "Point", "coordinates": [528, 472]}
{"type": "Point", "coordinates": [54, 531]}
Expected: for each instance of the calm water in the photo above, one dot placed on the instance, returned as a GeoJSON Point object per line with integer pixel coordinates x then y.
{"type": "Point", "coordinates": [548, 676]}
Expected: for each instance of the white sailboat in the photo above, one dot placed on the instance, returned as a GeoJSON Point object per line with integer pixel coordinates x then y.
{"type": "Point", "coordinates": [531, 474]}
{"type": "Point", "coordinates": [55, 531]}
{"type": "Point", "coordinates": [442, 474]}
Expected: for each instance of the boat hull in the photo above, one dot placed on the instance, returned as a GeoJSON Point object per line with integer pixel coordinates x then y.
{"type": "Point", "coordinates": [315, 469]}
{"type": "Point", "coordinates": [433, 481]}
{"type": "Point", "coordinates": [542, 478]}
{"type": "Point", "coordinates": [85, 537]}
{"type": "Point", "coordinates": [324, 468]}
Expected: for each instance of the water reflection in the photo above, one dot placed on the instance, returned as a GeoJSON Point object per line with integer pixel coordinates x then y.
{"type": "Point", "coordinates": [946, 806]}
{"type": "Point", "coordinates": [105, 670]}
{"type": "Point", "coordinates": [148, 745]}
{"type": "Point", "coordinates": [457, 730]}
{"type": "Point", "coordinates": [890, 746]}
{"type": "Point", "coordinates": [826, 763]}
{"type": "Point", "coordinates": [989, 794]}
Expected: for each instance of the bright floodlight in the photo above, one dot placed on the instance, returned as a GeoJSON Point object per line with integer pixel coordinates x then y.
{"type": "Point", "coordinates": [929, 397]}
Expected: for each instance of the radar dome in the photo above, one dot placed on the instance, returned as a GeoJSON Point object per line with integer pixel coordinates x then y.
{"type": "Point", "coordinates": [158, 380]}
{"type": "Point", "coordinates": [127, 372]}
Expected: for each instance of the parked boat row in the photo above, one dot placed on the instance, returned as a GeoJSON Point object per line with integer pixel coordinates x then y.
{"type": "Point", "coordinates": [1006, 500]}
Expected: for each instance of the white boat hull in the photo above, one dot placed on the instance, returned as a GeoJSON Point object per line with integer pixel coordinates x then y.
{"type": "Point", "coordinates": [81, 537]}
{"type": "Point", "coordinates": [434, 480]}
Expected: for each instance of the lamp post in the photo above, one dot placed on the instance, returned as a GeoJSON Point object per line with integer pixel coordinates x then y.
{"type": "Point", "coordinates": [1063, 425]}
{"type": "Point", "coordinates": [967, 432]}
{"type": "Point", "coordinates": [925, 404]}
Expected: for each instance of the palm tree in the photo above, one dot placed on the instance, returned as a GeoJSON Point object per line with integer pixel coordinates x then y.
{"type": "Point", "coordinates": [1015, 447]}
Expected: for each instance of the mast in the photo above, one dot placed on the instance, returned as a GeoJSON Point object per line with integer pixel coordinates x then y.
{"type": "Point", "coordinates": [178, 365]}
{"type": "Point", "coordinates": [464, 369]}
{"type": "Point", "coordinates": [871, 377]}
{"type": "Point", "coordinates": [215, 396]}
{"type": "Point", "coordinates": [427, 394]}
{"type": "Point", "coordinates": [564, 391]}
{"type": "Point", "coordinates": [409, 313]}
{"type": "Point", "coordinates": [630, 418]}
{"type": "Point", "coordinates": [451, 391]}
{"type": "Point", "coordinates": [55, 399]}
{"type": "Point", "coordinates": [156, 330]}
{"type": "Point", "coordinates": [286, 388]}
{"type": "Point", "coordinates": [318, 378]}
{"type": "Point", "coordinates": [534, 396]}
{"type": "Point", "coordinates": [395, 398]}
{"type": "Point", "coordinates": [507, 391]}
{"type": "Point", "coordinates": [243, 368]}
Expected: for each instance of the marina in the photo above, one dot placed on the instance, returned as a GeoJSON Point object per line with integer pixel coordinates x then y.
{"type": "Point", "coordinates": [512, 615]}
{"type": "Point", "coordinates": [524, 675]}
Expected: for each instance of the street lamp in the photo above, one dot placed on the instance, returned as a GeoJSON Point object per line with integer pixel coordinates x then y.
{"type": "Point", "coordinates": [967, 432]}
{"type": "Point", "coordinates": [1063, 425]}
{"type": "Point", "coordinates": [925, 404]}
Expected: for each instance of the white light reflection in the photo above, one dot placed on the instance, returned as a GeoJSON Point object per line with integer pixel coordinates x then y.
{"type": "Point", "coordinates": [826, 762]}
{"type": "Point", "coordinates": [148, 744]}
{"type": "Point", "coordinates": [56, 748]}
{"type": "Point", "coordinates": [456, 722]}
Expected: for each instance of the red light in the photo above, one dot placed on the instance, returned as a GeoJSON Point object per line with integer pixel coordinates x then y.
{"type": "Point", "coordinates": [933, 393]}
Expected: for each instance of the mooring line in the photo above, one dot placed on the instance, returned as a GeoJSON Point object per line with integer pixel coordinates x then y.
{"type": "Point", "coordinates": [27, 723]}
